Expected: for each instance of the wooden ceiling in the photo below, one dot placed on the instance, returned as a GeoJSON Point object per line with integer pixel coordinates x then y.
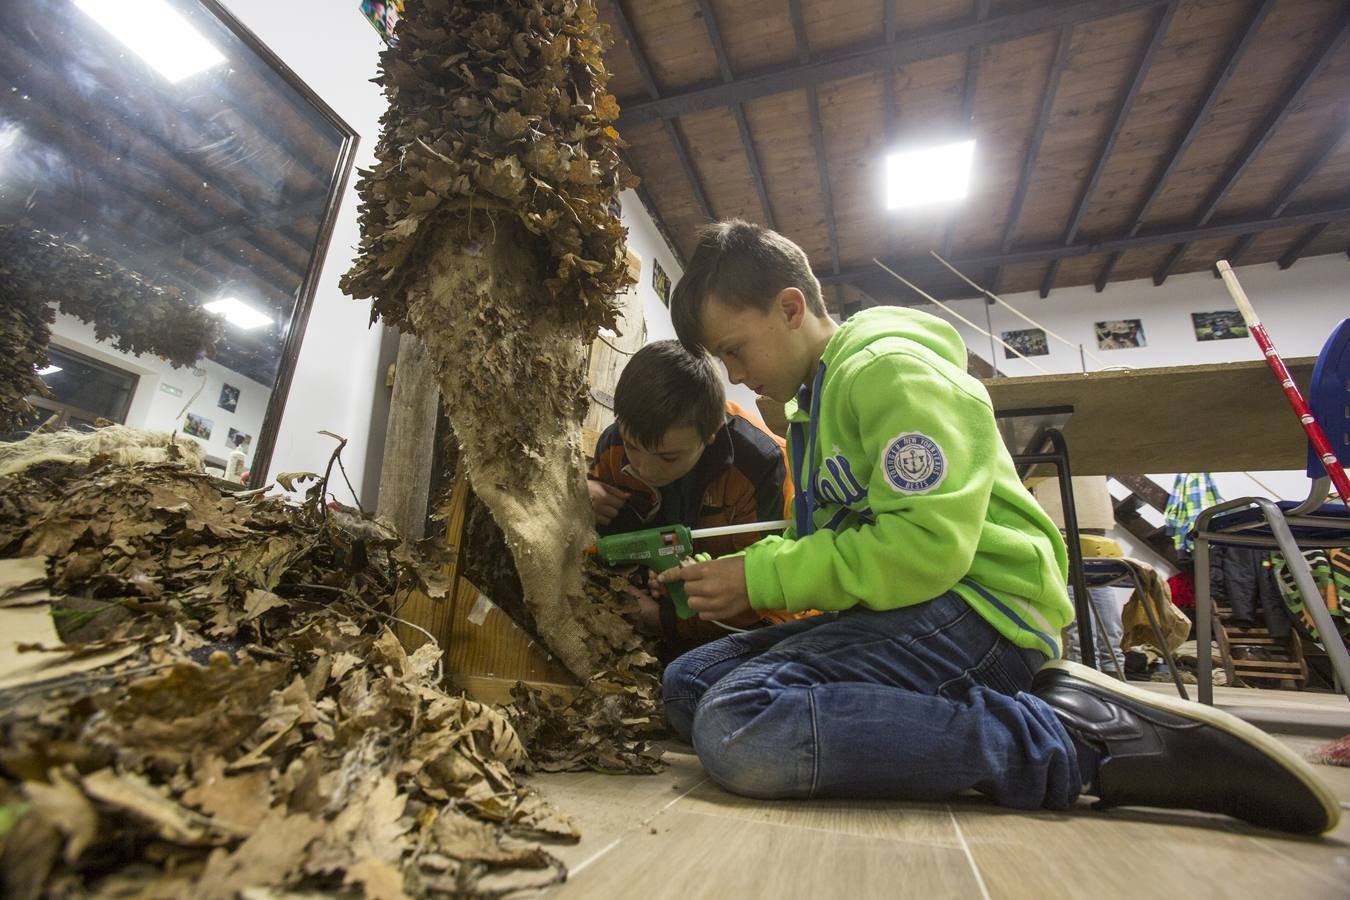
{"type": "Point", "coordinates": [1115, 139]}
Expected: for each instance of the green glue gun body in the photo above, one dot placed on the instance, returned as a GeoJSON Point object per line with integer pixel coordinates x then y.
{"type": "Point", "coordinates": [665, 548]}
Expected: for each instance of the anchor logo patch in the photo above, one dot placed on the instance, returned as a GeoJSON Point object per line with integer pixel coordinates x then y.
{"type": "Point", "coordinates": [913, 463]}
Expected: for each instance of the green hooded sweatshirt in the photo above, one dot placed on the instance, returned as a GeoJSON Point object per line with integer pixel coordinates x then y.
{"type": "Point", "coordinates": [904, 490]}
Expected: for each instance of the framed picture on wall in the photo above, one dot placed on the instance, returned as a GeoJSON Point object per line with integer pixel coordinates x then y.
{"type": "Point", "coordinates": [1120, 334]}
{"type": "Point", "coordinates": [661, 282]}
{"type": "Point", "coordinates": [238, 439]}
{"type": "Point", "coordinates": [384, 15]}
{"type": "Point", "coordinates": [229, 397]}
{"type": "Point", "coordinates": [198, 426]}
{"type": "Point", "coordinates": [1026, 341]}
{"type": "Point", "coordinates": [1218, 326]}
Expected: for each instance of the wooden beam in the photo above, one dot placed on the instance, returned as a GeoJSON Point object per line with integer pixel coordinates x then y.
{"type": "Point", "coordinates": [1048, 252]}
{"type": "Point", "coordinates": [1291, 187]}
{"type": "Point", "coordinates": [817, 134]}
{"type": "Point", "coordinates": [738, 110]}
{"type": "Point", "coordinates": [410, 441]}
{"type": "Point", "coordinates": [1235, 52]}
{"type": "Point", "coordinates": [921, 44]}
{"type": "Point", "coordinates": [635, 50]}
{"type": "Point", "coordinates": [671, 127]}
{"type": "Point", "coordinates": [1274, 119]}
{"type": "Point", "coordinates": [1109, 143]}
{"type": "Point", "coordinates": [1034, 147]}
{"type": "Point", "coordinates": [967, 109]}
{"type": "Point", "coordinates": [1300, 244]}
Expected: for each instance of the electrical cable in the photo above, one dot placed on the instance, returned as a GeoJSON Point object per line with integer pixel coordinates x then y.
{"type": "Point", "coordinates": [938, 303]}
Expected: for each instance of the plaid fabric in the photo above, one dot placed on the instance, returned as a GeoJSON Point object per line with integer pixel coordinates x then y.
{"type": "Point", "coordinates": [1192, 493]}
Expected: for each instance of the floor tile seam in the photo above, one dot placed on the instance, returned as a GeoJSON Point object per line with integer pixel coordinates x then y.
{"type": "Point", "coordinates": [816, 829]}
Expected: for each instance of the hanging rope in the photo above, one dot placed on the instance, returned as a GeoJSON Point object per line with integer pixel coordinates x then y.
{"type": "Point", "coordinates": [1017, 312]}
{"type": "Point", "coordinates": [938, 303]}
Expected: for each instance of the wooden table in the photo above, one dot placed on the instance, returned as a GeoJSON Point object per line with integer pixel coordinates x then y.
{"type": "Point", "coordinates": [1218, 417]}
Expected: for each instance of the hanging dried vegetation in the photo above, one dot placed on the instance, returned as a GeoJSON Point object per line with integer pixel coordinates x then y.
{"type": "Point", "coordinates": [40, 272]}
{"type": "Point", "coordinates": [488, 230]}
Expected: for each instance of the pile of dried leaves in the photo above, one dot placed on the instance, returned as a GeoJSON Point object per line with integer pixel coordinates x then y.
{"type": "Point", "coordinates": [39, 271]}
{"type": "Point", "coordinates": [209, 699]}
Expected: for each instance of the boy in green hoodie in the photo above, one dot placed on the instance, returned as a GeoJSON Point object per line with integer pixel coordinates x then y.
{"type": "Point", "coordinates": [935, 668]}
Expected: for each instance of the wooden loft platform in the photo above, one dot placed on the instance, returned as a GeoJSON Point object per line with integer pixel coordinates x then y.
{"type": "Point", "coordinates": [1225, 417]}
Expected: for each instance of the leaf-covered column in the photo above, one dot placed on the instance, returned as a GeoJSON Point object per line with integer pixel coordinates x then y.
{"type": "Point", "coordinates": [489, 230]}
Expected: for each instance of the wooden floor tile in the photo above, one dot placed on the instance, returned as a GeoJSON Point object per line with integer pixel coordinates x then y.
{"type": "Point", "coordinates": [924, 823]}
{"type": "Point", "coordinates": [693, 856]}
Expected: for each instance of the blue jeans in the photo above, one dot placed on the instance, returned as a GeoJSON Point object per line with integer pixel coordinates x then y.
{"type": "Point", "coordinates": [918, 703]}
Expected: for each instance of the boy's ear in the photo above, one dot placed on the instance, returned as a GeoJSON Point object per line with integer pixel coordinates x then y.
{"type": "Point", "coordinates": [791, 302]}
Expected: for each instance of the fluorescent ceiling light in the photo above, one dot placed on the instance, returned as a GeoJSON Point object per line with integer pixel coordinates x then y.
{"type": "Point", "coordinates": [240, 315]}
{"type": "Point", "coordinates": [50, 370]}
{"type": "Point", "coordinates": [158, 33]}
{"type": "Point", "coordinates": [928, 176]}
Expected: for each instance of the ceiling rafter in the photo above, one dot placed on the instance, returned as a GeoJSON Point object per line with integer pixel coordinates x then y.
{"type": "Point", "coordinates": [672, 128]}
{"type": "Point", "coordinates": [1281, 110]}
{"type": "Point", "coordinates": [1292, 187]}
{"type": "Point", "coordinates": [1034, 146]}
{"type": "Point", "coordinates": [967, 109]}
{"type": "Point", "coordinates": [920, 44]}
{"type": "Point", "coordinates": [738, 110]}
{"type": "Point", "coordinates": [1296, 249]}
{"type": "Point", "coordinates": [1047, 252]}
{"type": "Point", "coordinates": [1234, 56]}
{"type": "Point", "coordinates": [817, 134]}
{"type": "Point", "coordinates": [1109, 143]}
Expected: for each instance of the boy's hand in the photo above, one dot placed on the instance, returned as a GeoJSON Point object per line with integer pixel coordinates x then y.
{"type": "Point", "coordinates": [649, 611]}
{"type": "Point", "coordinates": [716, 588]}
{"type": "Point", "coordinates": [606, 500]}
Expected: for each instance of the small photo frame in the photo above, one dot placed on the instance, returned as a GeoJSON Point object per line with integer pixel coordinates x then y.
{"type": "Point", "coordinates": [1120, 334]}
{"type": "Point", "coordinates": [238, 440]}
{"type": "Point", "coordinates": [384, 15]}
{"type": "Point", "coordinates": [1026, 341]}
{"type": "Point", "coordinates": [1218, 326]}
{"type": "Point", "coordinates": [198, 426]}
{"type": "Point", "coordinates": [661, 282]}
{"type": "Point", "coordinates": [229, 397]}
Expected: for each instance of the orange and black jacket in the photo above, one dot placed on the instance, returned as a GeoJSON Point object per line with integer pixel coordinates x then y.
{"type": "Point", "coordinates": [741, 477]}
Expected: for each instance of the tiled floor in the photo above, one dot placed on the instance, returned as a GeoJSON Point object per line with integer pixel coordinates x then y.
{"type": "Point", "coordinates": [677, 835]}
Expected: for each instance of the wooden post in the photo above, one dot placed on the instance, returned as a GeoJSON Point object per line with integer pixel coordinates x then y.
{"type": "Point", "coordinates": [410, 440]}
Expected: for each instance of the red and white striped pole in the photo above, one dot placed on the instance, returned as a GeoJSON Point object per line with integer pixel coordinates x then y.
{"type": "Point", "coordinates": [1301, 408]}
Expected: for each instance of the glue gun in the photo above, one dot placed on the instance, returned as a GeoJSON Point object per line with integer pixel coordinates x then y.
{"type": "Point", "coordinates": [665, 548]}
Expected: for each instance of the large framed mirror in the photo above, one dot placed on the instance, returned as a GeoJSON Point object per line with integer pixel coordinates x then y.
{"type": "Point", "coordinates": [163, 136]}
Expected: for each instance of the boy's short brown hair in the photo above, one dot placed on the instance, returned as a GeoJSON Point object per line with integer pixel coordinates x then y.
{"type": "Point", "coordinates": [744, 266]}
{"type": "Point", "coordinates": [663, 387]}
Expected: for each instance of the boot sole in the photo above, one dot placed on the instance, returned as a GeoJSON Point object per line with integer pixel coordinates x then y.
{"type": "Point", "coordinates": [1225, 722]}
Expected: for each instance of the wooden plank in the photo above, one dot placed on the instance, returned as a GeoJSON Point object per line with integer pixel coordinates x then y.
{"type": "Point", "coordinates": [610, 354]}
{"type": "Point", "coordinates": [410, 440]}
{"type": "Point", "coordinates": [1198, 120]}
{"type": "Point", "coordinates": [497, 691]}
{"type": "Point", "coordinates": [480, 639]}
{"type": "Point", "coordinates": [1225, 417]}
{"type": "Point", "coordinates": [848, 62]}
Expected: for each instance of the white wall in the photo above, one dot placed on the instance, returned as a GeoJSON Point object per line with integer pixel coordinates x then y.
{"type": "Point", "coordinates": [1299, 306]}
{"type": "Point", "coordinates": [336, 52]}
{"type": "Point", "coordinates": [646, 241]}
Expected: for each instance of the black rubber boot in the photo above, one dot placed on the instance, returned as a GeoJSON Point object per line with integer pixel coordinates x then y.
{"type": "Point", "coordinates": [1161, 751]}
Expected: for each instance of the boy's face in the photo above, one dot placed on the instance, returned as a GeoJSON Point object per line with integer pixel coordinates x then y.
{"type": "Point", "coordinates": [760, 348]}
{"type": "Point", "coordinates": [671, 459]}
